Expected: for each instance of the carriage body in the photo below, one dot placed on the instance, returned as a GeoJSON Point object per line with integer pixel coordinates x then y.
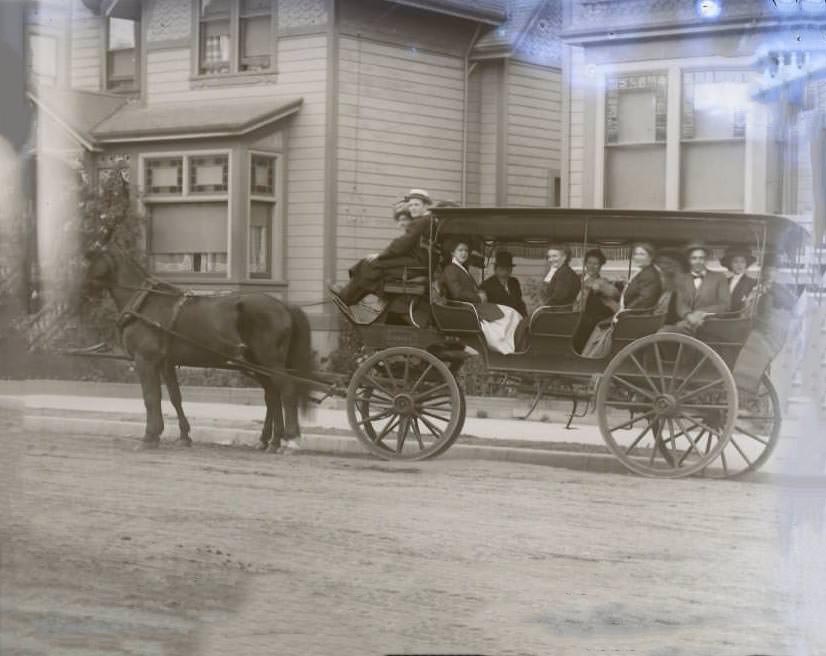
{"type": "Point", "coordinates": [643, 370]}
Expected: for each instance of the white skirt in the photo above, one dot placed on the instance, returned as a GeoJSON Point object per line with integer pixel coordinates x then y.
{"type": "Point", "coordinates": [499, 334]}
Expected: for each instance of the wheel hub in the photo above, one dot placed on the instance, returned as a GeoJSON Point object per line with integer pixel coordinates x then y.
{"type": "Point", "coordinates": [665, 405]}
{"type": "Point", "coordinates": [404, 404]}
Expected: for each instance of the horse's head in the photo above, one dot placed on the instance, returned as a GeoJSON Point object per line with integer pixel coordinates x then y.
{"type": "Point", "coordinates": [100, 265]}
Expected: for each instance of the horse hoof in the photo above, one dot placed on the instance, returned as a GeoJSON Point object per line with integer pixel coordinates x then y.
{"type": "Point", "coordinates": [262, 446]}
{"type": "Point", "coordinates": [184, 441]}
{"type": "Point", "coordinates": [273, 448]}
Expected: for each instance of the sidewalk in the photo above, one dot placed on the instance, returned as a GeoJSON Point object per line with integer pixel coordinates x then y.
{"type": "Point", "coordinates": [230, 416]}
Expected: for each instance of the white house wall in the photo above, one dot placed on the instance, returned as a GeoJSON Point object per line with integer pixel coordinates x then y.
{"type": "Point", "coordinates": [399, 126]}
{"type": "Point", "coordinates": [576, 127]}
{"type": "Point", "coordinates": [86, 48]}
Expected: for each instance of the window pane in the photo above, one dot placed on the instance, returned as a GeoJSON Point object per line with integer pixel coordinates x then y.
{"type": "Point", "coordinates": [260, 247]}
{"type": "Point", "coordinates": [189, 227]}
{"type": "Point", "coordinates": [635, 109]}
{"type": "Point", "coordinates": [714, 104]}
{"type": "Point", "coordinates": [635, 177]}
{"type": "Point", "coordinates": [164, 175]}
{"type": "Point", "coordinates": [121, 34]}
{"type": "Point", "coordinates": [262, 175]}
{"type": "Point", "coordinates": [208, 175]}
{"type": "Point", "coordinates": [256, 43]}
{"type": "Point", "coordinates": [189, 262]}
{"type": "Point", "coordinates": [215, 47]}
{"type": "Point", "coordinates": [713, 175]}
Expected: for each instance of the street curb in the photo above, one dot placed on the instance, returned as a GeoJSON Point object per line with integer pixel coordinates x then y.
{"type": "Point", "coordinates": [336, 445]}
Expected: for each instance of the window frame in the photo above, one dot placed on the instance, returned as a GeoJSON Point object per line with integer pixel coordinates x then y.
{"type": "Point", "coordinates": [149, 199]}
{"type": "Point", "coordinates": [235, 46]}
{"type": "Point", "coordinates": [277, 245]}
{"type": "Point", "coordinates": [135, 87]}
{"type": "Point", "coordinates": [31, 74]}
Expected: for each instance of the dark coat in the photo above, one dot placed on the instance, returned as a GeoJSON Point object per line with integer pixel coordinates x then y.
{"type": "Point", "coordinates": [498, 294]}
{"type": "Point", "coordinates": [644, 290]}
{"type": "Point", "coordinates": [562, 289]}
{"type": "Point", "coordinates": [712, 295]}
{"type": "Point", "coordinates": [596, 307]}
{"type": "Point", "coordinates": [741, 292]}
{"type": "Point", "coordinates": [407, 250]}
{"type": "Point", "coordinates": [459, 285]}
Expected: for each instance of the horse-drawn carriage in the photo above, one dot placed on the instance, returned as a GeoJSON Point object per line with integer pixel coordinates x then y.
{"type": "Point", "coordinates": [667, 404]}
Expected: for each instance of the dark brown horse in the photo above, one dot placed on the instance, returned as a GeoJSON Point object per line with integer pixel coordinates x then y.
{"type": "Point", "coordinates": [255, 328]}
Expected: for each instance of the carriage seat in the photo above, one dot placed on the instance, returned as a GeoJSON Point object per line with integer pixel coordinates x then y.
{"type": "Point", "coordinates": [554, 321]}
{"type": "Point", "coordinates": [456, 316]}
{"type": "Point", "coordinates": [412, 282]}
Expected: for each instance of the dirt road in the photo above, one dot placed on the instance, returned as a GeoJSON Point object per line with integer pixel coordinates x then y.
{"type": "Point", "coordinates": [227, 551]}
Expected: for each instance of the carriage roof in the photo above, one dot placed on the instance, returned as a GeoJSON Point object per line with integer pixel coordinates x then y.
{"type": "Point", "coordinates": [615, 226]}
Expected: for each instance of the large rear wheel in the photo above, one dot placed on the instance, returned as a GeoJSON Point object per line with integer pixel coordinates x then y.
{"type": "Point", "coordinates": [404, 403]}
{"type": "Point", "coordinates": [656, 399]}
{"type": "Point", "coordinates": [754, 437]}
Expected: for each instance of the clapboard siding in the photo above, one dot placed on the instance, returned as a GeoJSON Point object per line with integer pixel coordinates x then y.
{"type": "Point", "coordinates": [86, 48]}
{"type": "Point", "coordinates": [533, 134]}
{"type": "Point", "coordinates": [576, 150]}
{"type": "Point", "coordinates": [489, 160]}
{"type": "Point", "coordinates": [302, 71]}
{"type": "Point", "coordinates": [399, 126]}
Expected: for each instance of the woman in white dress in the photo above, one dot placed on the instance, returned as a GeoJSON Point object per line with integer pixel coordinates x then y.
{"type": "Point", "coordinates": [498, 322]}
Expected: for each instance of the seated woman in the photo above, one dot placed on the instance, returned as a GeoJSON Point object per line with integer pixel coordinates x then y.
{"type": "Point", "coordinates": [594, 301]}
{"type": "Point", "coordinates": [740, 284]}
{"type": "Point", "coordinates": [499, 323]}
{"type": "Point", "coordinates": [560, 285]}
{"type": "Point", "coordinates": [642, 292]}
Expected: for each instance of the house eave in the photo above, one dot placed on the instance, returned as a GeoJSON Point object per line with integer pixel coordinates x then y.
{"type": "Point", "coordinates": [88, 143]}
{"type": "Point", "coordinates": [487, 16]}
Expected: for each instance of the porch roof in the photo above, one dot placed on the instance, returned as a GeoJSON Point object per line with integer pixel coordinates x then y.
{"type": "Point", "coordinates": [485, 11]}
{"type": "Point", "coordinates": [177, 120]}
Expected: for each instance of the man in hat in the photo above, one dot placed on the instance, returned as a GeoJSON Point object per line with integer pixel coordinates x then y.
{"type": "Point", "coordinates": [502, 288]}
{"type": "Point", "coordinates": [418, 203]}
{"type": "Point", "coordinates": [367, 276]}
{"type": "Point", "coordinates": [737, 259]}
{"type": "Point", "coordinates": [700, 293]}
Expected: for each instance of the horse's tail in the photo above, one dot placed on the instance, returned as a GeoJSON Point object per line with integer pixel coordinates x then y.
{"type": "Point", "coordinates": [300, 359]}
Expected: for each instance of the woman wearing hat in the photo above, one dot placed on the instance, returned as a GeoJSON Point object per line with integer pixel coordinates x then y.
{"type": "Point", "coordinates": [740, 285]}
{"type": "Point", "coordinates": [560, 285]}
{"type": "Point", "coordinates": [594, 299]}
{"type": "Point", "coordinates": [499, 323]}
{"type": "Point", "coordinates": [502, 288]}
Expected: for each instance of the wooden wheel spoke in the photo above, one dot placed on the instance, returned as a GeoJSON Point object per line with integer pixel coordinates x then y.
{"type": "Point", "coordinates": [631, 421]}
{"type": "Point", "coordinates": [376, 417]}
{"type": "Point", "coordinates": [430, 394]}
{"type": "Point", "coordinates": [417, 433]}
{"type": "Point", "coordinates": [433, 429]}
{"type": "Point", "coordinates": [639, 438]}
{"type": "Point", "coordinates": [723, 461]}
{"type": "Point", "coordinates": [404, 427]}
{"type": "Point", "coordinates": [701, 425]}
{"type": "Point", "coordinates": [700, 390]}
{"type": "Point", "coordinates": [434, 416]}
{"type": "Point", "coordinates": [693, 442]}
{"type": "Point", "coordinates": [757, 438]}
{"type": "Point", "coordinates": [390, 375]}
{"type": "Point", "coordinates": [421, 378]}
{"type": "Point", "coordinates": [633, 387]}
{"type": "Point", "coordinates": [645, 374]}
{"type": "Point", "coordinates": [386, 430]}
{"type": "Point", "coordinates": [441, 404]}
{"type": "Point", "coordinates": [691, 375]}
{"type": "Point", "coordinates": [406, 371]}
{"type": "Point", "coordinates": [377, 385]}
{"type": "Point", "coordinates": [740, 451]}
{"type": "Point", "coordinates": [379, 401]}
{"type": "Point", "coordinates": [676, 367]}
{"type": "Point", "coordinates": [626, 404]}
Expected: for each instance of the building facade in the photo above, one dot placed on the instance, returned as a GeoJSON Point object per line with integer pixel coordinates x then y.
{"type": "Point", "coordinates": [268, 139]}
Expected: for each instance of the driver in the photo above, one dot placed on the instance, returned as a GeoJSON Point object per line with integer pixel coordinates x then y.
{"type": "Point", "coordinates": [700, 293]}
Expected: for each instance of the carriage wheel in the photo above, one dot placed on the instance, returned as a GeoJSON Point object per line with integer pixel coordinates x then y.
{"type": "Point", "coordinates": [404, 403]}
{"type": "Point", "coordinates": [754, 437]}
{"type": "Point", "coordinates": [656, 399]}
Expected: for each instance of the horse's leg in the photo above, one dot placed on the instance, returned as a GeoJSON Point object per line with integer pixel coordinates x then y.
{"type": "Point", "coordinates": [170, 377]}
{"type": "Point", "coordinates": [278, 419]}
{"type": "Point", "coordinates": [292, 430]}
{"type": "Point", "coordinates": [149, 372]}
{"type": "Point", "coordinates": [266, 431]}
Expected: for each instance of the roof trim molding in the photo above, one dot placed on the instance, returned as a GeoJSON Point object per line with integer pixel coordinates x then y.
{"type": "Point", "coordinates": [489, 16]}
{"type": "Point", "coordinates": [77, 136]}
{"type": "Point", "coordinates": [216, 132]}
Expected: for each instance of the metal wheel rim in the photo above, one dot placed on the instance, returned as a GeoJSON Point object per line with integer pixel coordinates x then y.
{"type": "Point", "coordinates": [444, 412]}
{"type": "Point", "coordinates": [667, 426]}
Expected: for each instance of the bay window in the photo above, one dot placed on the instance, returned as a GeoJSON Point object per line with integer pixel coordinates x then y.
{"type": "Point", "coordinates": [122, 38]}
{"type": "Point", "coordinates": [261, 215]}
{"type": "Point", "coordinates": [635, 139]}
{"type": "Point", "coordinates": [187, 197]}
